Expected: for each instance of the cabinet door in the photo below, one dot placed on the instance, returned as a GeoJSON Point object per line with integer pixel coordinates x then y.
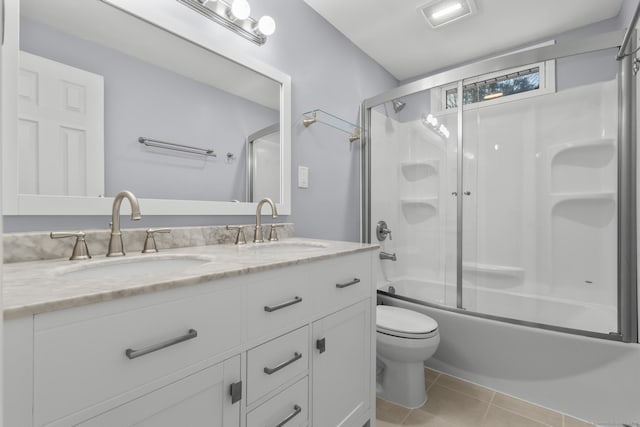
{"type": "Point", "coordinates": [341, 366]}
{"type": "Point", "coordinates": [199, 400]}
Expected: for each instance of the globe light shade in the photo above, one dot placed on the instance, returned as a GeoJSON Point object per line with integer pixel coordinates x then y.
{"type": "Point", "coordinates": [240, 9]}
{"type": "Point", "coordinates": [266, 25]}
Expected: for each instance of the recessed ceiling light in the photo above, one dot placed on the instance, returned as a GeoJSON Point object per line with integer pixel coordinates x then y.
{"type": "Point", "coordinates": [447, 10]}
{"type": "Point", "coordinates": [441, 12]}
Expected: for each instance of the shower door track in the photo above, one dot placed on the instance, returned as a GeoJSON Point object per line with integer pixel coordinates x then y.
{"type": "Point", "coordinates": [627, 259]}
{"type": "Point", "coordinates": [545, 326]}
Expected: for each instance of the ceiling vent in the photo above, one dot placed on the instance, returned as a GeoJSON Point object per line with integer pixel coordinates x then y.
{"type": "Point", "coordinates": [442, 12]}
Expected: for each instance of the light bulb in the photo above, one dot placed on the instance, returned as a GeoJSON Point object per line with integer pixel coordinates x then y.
{"type": "Point", "coordinates": [266, 25]}
{"type": "Point", "coordinates": [240, 9]}
{"type": "Point", "coordinates": [448, 10]}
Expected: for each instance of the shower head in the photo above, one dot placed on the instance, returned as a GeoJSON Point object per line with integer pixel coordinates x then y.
{"type": "Point", "coordinates": [398, 105]}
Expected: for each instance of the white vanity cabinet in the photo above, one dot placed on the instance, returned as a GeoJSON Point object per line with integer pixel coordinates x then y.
{"type": "Point", "coordinates": [290, 346]}
{"type": "Point", "coordinates": [199, 400]}
{"type": "Point", "coordinates": [87, 356]}
{"type": "Point", "coordinates": [342, 366]}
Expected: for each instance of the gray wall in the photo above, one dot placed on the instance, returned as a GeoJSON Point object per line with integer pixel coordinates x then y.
{"type": "Point", "coordinates": [142, 99]}
{"type": "Point", "coordinates": [327, 72]}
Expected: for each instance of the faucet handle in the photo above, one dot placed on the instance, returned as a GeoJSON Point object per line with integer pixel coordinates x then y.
{"type": "Point", "coordinates": [240, 239]}
{"type": "Point", "coordinates": [150, 242]}
{"type": "Point", "coordinates": [382, 231]}
{"type": "Point", "coordinates": [273, 234]}
{"type": "Point", "coordinates": [80, 249]}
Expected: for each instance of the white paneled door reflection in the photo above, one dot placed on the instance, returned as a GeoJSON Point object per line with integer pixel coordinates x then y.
{"type": "Point", "coordinates": [60, 129]}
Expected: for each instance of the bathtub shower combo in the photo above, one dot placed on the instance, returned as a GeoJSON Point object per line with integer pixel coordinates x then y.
{"type": "Point", "coordinates": [507, 191]}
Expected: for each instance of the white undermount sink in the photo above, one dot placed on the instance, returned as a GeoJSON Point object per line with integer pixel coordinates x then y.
{"type": "Point", "coordinates": [151, 265]}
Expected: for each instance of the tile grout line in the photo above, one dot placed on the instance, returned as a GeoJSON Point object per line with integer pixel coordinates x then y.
{"type": "Point", "coordinates": [434, 381]}
{"type": "Point", "coordinates": [528, 417]}
{"type": "Point", "coordinates": [486, 412]}
{"type": "Point", "coordinates": [469, 394]}
{"type": "Point", "coordinates": [405, 417]}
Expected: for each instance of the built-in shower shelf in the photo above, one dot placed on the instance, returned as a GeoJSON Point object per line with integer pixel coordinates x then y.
{"type": "Point", "coordinates": [416, 170]}
{"type": "Point", "coordinates": [328, 119]}
{"type": "Point", "coordinates": [581, 145]}
{"type": "Point", "coordinates": [557, 198]}
{"type": "Point", "coordinates": [418, 164]}
{"type": "Point", "coordinates": [421, 201]}
{"type": "Point", "coordinates": [493, 269]}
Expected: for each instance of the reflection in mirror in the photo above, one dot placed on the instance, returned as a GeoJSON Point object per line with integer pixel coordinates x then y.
{"type": "Point", "coordinates": [116, 78]}
{"type": "Point", "coordinates": [263, 164]}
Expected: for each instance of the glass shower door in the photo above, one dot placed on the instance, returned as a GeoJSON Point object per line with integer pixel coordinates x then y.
{"type": "Point", "coordinates": [413, 175]}
{"type": "Point", "coordinates": [540, 201]}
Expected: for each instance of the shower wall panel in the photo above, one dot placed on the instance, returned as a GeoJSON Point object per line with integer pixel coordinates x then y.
{"type": "Point", "coordinates": [542, 177]}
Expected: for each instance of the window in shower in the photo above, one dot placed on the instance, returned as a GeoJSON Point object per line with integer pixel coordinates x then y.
{"type": "Point", "coordinates": [527, 80]}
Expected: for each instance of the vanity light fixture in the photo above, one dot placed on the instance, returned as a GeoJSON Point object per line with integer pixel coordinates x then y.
{"type": "Point", "coordinates": [442, 12]}
{"type": "Point", "coordinates": [236, 17]}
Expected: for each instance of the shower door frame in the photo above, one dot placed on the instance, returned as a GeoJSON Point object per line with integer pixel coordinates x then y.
{"type": "Point", "coordinates": [627, 257]}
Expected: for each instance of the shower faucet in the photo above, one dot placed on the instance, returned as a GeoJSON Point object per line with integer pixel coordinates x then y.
{"type": "Point", "coordinates": [388, 256]}
{"type": "Point", "coordinates": [382, 231]}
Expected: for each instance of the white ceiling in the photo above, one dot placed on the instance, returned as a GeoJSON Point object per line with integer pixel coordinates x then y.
{"type": "Point", "coordinates": [395, 35]}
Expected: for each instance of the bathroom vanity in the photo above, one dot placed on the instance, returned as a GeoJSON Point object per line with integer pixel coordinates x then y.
{"type": "Point", "coordinates": [266, 334]}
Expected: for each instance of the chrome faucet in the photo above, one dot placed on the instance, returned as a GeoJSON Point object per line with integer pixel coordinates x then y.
{"type": "Point", "coordinates": [116, 248]}
{"type": "Point", "coordinates": [258, 238]}
{"type": "Point", "coordinates": [388, 256]}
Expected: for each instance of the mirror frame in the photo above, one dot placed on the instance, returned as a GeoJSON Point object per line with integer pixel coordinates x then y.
{"type": "Point", "coordinates": [178, 20]}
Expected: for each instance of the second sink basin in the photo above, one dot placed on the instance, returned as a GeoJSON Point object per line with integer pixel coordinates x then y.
{"type": "Point", "coordinates": [132, 267]}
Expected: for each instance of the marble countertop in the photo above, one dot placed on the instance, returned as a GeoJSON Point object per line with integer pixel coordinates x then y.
{"type": "Point", "coordinates": [42, 286]}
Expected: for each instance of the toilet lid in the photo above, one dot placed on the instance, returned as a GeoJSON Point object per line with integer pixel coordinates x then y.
{"type": "Point", "coordinates": [400, 321]}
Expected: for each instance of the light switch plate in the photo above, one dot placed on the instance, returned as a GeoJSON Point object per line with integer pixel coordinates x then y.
{"type": "Point", "coordinates": [303, 177]}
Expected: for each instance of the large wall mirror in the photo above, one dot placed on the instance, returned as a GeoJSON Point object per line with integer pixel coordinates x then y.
{"type": "Point", "coordinates": [122, 94]}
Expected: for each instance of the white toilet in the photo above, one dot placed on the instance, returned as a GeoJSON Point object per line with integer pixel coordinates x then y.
{"type": "Point", "coordinates": [405, 339]}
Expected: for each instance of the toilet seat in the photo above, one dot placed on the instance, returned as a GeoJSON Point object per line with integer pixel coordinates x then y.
{"type": "Point", "coordinates": [403, 323]}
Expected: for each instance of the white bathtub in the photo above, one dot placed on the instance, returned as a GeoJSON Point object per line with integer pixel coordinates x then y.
{"type": "Point", "coordinates": [590, 378]}
{"type": "Point", "coordinates": [512, 305]}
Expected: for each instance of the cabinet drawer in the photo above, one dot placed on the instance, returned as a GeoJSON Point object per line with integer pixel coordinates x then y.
{"type": "Point", "coordinates": [84, 361]}
{"type": "Point", "coordinates": [276, 362]}
{"type": "Point", "coordinates": [341, 281]}
{"type": "Point", "coordinates": [291, 405]}
{"type": "Point", "coordinates": [278, 301]}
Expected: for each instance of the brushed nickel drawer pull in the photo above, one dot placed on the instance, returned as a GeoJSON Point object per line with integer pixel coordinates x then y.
{"type": "Point", "coordinates": [296, 356]}
{"type": "Point", "coordinates": [132, 354]}
{"type": "Point", "coordinates": [271, 308]}
{"type": "Point", "coordinates": [296, 411]}
{"type": "Point", "coordinates": [344, 285]}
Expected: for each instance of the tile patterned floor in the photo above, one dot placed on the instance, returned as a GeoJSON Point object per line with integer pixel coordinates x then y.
{"type": "Point", "coordinates": [456, 403]}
